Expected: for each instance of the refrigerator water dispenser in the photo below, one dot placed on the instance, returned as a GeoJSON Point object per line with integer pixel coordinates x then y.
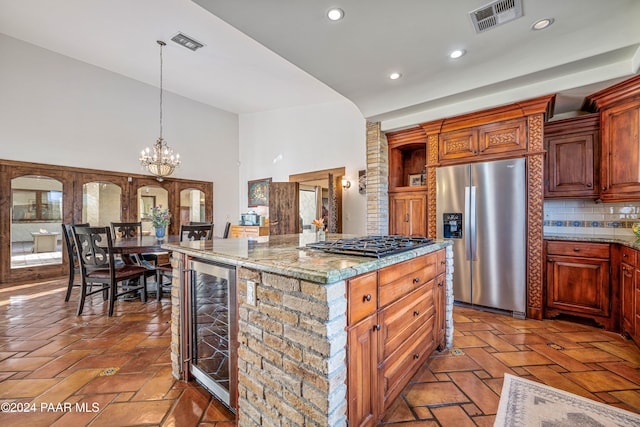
{"type": "Point", "coordinates": [452, 225]}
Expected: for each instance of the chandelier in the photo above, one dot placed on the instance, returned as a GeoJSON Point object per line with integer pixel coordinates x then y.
{"type": "Point", "coordinates": [160, 160]}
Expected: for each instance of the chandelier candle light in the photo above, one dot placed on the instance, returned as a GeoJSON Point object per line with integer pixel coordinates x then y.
{"type": "Point", "coordinates": [160, 161]}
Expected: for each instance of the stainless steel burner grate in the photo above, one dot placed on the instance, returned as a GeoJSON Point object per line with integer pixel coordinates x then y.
{"type": "Point", "coordinates": [371, 246]}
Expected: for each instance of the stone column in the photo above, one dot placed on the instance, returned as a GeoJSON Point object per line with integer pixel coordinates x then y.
{"type": "Point", "coordinates": [377, 181]}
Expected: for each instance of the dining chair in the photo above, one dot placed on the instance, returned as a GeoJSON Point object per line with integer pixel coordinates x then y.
{"type": "Point", "coordinates": [187, 232]}
{"type": "Point", "coordinates": [94, 247]}
{"type": "Point", "coordinates": [227, 227]}
{"type": "Point", "coordinates": [74, 266]}
{"type": "Point", "coordinates": [196, 232]}
{"type": "Point", "coordinates": [130, 230]}
{"type": "Point", "coordinates": [200, 223]}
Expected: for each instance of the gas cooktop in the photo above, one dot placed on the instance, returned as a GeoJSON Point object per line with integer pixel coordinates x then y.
{"type": "Point", "coordinates": [372, 246]}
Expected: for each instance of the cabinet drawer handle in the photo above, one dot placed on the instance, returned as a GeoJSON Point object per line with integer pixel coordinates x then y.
{"type": "Point", "coordinates": [576, 249]}
{"type": "Point", "coordinates": [416, 280]}
{"type": "Point", "coordinates": [377, 327]}
{"type": "Point", "coordinates": [440, 284]}
{"type": "Point", "coordinates": [416, 313]}
{"type": "Point", "coordinates": [604, 188]}
{"type": "Point", "coordinates": [367, 297]}
{"type": "Point", "coordinates": [624, 255]}
{"type": "Point", "coordinates": [443, 262]}
{"type": "Point", "coordinates": [589, 185]}
{"type": "Point", "coordinates": [416, 356]}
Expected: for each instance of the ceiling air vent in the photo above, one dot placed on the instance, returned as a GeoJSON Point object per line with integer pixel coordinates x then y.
{"type": "Point", "coordinates": [186, 41]}
{"type": "Point", "coordinates": [496, 13]}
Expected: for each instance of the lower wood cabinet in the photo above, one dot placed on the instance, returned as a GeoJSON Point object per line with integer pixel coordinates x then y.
{"type": "Point", "coordinates": [408, 213]}
{"type": "Point", "coordinates": [395, 319]}
{"type": "Point", "coordinates": [578, 281]}
{"type": "Point", "coordinates": [248, 231]}
{"type": "Point", "coordinates": [629, 290]}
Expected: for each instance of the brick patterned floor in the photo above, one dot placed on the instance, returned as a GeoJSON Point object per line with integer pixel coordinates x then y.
{"type": "Point", "coordinates": [461, 386]}
{"type": "Point", "coordinates": [116, 371]}
{"type": "Point", "coordinates": [107, 371]}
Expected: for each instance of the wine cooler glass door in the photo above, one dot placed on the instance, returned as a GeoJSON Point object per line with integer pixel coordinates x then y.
{"type": "Point", "coordinates": [214, 333]}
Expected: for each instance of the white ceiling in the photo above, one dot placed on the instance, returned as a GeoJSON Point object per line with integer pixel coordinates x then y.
{"type": "Point", "coordinates": [592, 43]}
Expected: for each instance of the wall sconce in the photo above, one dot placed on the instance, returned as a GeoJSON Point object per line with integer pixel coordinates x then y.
{"type": "Point", "coordinates": [345, 183]}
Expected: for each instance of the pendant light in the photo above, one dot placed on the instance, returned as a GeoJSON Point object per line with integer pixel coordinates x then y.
{"type": "Point", "coordinates": [160, 160]}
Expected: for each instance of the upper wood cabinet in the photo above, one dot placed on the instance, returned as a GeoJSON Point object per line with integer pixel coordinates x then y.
{"type": "Point", "coordinates": [407, 158]}
{"type": "Point", "coordinates": [572, 160]}
{"type": "Point", "coordinates": [619, 108]}
{"type": "Point", "coordinates": [492, 139]}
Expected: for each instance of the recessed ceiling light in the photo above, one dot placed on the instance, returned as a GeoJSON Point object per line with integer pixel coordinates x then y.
{"type": "Point", "coordinates": [395, 76]}
{"type": "Point", "coordinates": [457, 53]}
{"type": "Point", "coordinates": [335, 14]}
{"type": "Point", "coordinates": [542, 24]}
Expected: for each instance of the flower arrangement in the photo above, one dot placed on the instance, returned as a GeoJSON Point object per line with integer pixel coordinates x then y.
{"type": "Point", "coordinates": [318, 223]}
{"type": "Point", "coordinates": [160, 217]}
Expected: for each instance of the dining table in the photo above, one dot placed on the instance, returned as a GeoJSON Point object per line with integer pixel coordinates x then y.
{"type": "Point", "coordinates": [142, 244]}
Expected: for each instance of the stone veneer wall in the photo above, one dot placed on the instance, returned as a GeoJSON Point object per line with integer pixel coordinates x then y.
{"type": "Point", "coordinates": [292, 352]}
{"type": "Point", "coordinates": [377, 181]}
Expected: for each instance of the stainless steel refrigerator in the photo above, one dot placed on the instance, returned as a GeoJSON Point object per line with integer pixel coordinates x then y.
{"type": "Point", "coordinates": [481, 207]}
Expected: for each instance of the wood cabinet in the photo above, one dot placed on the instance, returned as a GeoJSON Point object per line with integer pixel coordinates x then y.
{"type": "Point", "coordinates": [439, 300]}
{"type": "Point", "coordinates": [391, 320]}
{"type": "Point", "coordinates": [619, 108]}
{"type": "Point", "coordinates": [628, 284]}
{"type": "Point", "coordinates": [492, 139]}
{"type": "Point", "coordinates": [408, 213]}
{"type": "Point", "coordinates": [572, 163]}
{"type": "Point", "coordinates": [407, 186]}
{"type": "Point", "coordinates": [578, 281]}
{"type": "Point", "coordinates": [248, 231]}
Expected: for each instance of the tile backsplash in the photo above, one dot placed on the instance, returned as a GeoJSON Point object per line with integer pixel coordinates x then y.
{"type": "Point", "coordinates": [583, 216]}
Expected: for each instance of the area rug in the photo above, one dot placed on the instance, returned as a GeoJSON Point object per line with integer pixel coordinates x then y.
{"type": "Point", "coordinates": [528, 403]}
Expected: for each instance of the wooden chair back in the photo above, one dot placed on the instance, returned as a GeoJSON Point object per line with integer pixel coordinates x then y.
{"type": "Point", "coordinates": [196, 232]}
{"type": "Point", "coordinates": [126, 229]}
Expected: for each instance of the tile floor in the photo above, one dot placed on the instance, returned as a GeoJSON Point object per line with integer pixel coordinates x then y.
{"type": "Point", "coordinates": [63, 370]}
{"type": "Point", "coordinates": [461, 387]}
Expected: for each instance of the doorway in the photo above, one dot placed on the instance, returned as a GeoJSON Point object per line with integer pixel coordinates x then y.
{"type": "Point", "coordinates": [327, 190]}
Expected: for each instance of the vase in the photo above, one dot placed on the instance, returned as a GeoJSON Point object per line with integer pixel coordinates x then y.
{"type": "Point", "coordinates": [320, 235]}
{"type": "Point", "coordinates": [160, 232]}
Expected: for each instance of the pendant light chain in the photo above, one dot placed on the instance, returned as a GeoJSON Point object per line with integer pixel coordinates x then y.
{"type": "Point", "coordinates": [160, 161]}
{"type": "Point", "coordinates": [161, 43]}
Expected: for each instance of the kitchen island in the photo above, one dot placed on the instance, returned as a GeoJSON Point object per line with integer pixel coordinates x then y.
{"type": "Point", "coordinates": [296, 311]}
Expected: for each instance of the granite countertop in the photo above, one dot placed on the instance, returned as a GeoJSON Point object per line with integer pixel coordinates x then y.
{"type": "Point", "coordinates": [630, 241]}
{"type": "Point", "coordinates": [287, 255]}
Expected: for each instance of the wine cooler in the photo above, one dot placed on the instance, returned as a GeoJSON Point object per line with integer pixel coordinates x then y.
{"type": "Point", "coordinates": [211, 328]}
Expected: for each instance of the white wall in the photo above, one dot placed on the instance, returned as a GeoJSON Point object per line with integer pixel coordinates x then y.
{"type": "Point", "coordinates": [56, 110]}
{"type": "Point", "coordinates": [279, 143]}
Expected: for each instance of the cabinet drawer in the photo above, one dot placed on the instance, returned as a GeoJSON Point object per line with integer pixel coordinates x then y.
{"type": "Point", "coordinates": [401, 319]}
{"type": "Point", "coordinates": [398, 368]}
{"type": "Point", "coordinates": [362, 297]}
{"type": "Point", "coordinates": [628, 256]}
{"type": "Point", "coordinates": [400, 279]}
{"type": "Point", "coordinates": [578, 249]}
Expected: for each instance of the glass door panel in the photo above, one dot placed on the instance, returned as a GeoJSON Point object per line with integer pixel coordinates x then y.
{"type": "Point", "coordinates": [192, 206]}
{"type": "Point", "coordinates": [101, 203]}
{"type": "Point", "coordinates": [36, 221]}
{"type": "Point", "coordinates": [148, 197]}
{"type": "Point", "coordinates": [214, 329]}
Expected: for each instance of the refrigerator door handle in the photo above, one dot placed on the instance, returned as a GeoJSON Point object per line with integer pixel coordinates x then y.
{"type": "Point", "coordinates": [467, 223]}
{"type": "Point", "coordinates": [473, 236]}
